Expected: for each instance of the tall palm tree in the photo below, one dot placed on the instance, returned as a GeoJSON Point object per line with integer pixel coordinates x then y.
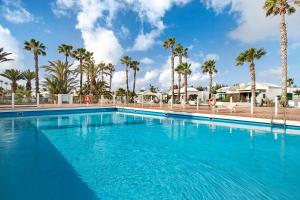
{"type": "Point", "coordinates": [89, 60]}
{"type": "Point", "coordinates": [179, 71]}
{"type": "Point", "coordinates": [126, 60]}
{"type": "Point", "coordinates": [282, 8]}
{"type": "Point", "coordinates": [169, 44]}
{"type": "Point", "coordinates": [66, 50]}
{"type": "Point", "coordinates": [94, 70]}
{"type": "Point", "coordinates": [80, 55]}
{"type": "Point", "coordinates": [37, 48]}
{"type": "Point", "coordinates": [134, 65]}
{"type": "Point", "coordinates": [28, 76]}
{"type": "Point", "coordinates": [3, 56]}
{"type": "Point", "coordinates": [290, 82]}
{"type": "Point", "coordinates": [102, 68]}
{"type": "Point", "coordinates": [13, 75]}
{"type": "Point", "coordinates": [249, 56]}
{"type": "Point", "coordinates": [120, 92]}
{"type": "Point", "coordinates": [209, 67]}
{"type": "Point", "coordinates": [111, 68]}
{"type": "Point", "coordinates": [181, 52]}
{"type": "Point", "coordinates": [61, 78]}
{"type": "Point", "coordinates": [185, 70]}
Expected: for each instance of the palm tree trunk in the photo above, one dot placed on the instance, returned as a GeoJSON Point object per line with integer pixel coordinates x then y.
{"type": "Point", "coordinates": [80, 81]}
{"type": "Point", "coordinates": [14, 86]}
{"type": "Point", "coordinates": [253, 85]}
{"type": "Point", "coordinates": [179, 83]}
{"type": "Point", "coordinates": [28, 85]}
{"type": "Point", "coordinates": [127, 86]}
{"type": "Point", "coordinates": [102, 75]}
{"type": "Point", "coordinates": [172, 66]}
{"type": "Point", "coordinates": [36, 62]}
{"type": "Point", "coordinates": [179, 79]}
{"type": "Point", "coordinates": [88, 80]}
{"type": "Point", "coordinates": [110, 80]}
{"type": "Point", "coordinates": [210, 85]}
{"type": "Point", "coordinates": [283, 59]}
{"type": "Point", "coordinates": [66, 60]}
{"type": "Point", "coordinates": [134, 79]}
{"type": "Point", "coordinates": [185, 88]}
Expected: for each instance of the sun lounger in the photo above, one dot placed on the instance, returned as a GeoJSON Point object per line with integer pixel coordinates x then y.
{"type": "Point", "coordinates": [221, 106]}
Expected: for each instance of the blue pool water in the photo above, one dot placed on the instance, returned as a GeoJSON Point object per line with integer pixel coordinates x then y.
{"type": "Point", "coordinates": [114, 155]}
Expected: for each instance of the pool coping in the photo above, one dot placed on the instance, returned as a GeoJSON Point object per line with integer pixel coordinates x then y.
{"type": "Point", "coordinates": [165, 113]}
{"type": "Point", "coordinates": [227, 118]}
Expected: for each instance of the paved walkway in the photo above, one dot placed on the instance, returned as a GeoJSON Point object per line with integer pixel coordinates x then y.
{"type": "Point", "coordinates": [259, 112]}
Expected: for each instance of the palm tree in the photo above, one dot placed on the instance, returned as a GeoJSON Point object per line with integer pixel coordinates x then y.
{"type": "Point", "coordinates": [297, 92]}
{"type": "Point", "coordinates": [61, 78]}
{"type": "Point", "coordinates": [179, 72]}
{"type": "Point", "coordinates": [37, 48]}
{"type": "Point", "coordinates": [185, 70]}
{"type": "Point", "coordinates": [102, 68]}
{"type": "Point", "coordinates": [13, 75]}
{"type": "Point", "coordinates": [94, 70]}
{"type": "Point", "coordinates": [169, 44]}
{"type": "Point", "coordinates": [89, 60]}
{"type": "Point", "coordinates": [3, 56]}
{"type": "Point", "coordinates": [209, 67]}
{"type": "Point", "coordinates": [66, 50]}
{"type": "Point", "coordinates": [126, 60]}
{"type": "Point", "coordinates": [134, 65]}
{"type": "Point", "coordinates": [111, 68]}
{"type": "Point", "coordinates": [290, 82]}
{"type": "Point", "coordinates": [80, 54]}
{"type": "Point", "coordinates": [121, 93]}
{"type": "Point", "coordinates": [28, 76]}
{"type": "Point", "coordinates": [249, 56]}
{"type": "Point", "coordinates": [282, 7]}
{"type": "Point", "coordinates": [153, 89]}
{"type": "Point", "coordinates": [180, 52]}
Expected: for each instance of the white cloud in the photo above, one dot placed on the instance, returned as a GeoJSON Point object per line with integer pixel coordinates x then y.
{"type": "Point", "coordinates": [11, 45]}
{"type": "Point", "coordinates": [212, 56]}
{"type": "Point", "coordinates": [89, 12]}
{"type": "Point", "coordinates": [147, 61]}
{"type": "Point", "coordinates": [125, 31]}
{"type": "Point", "coordinates": [103, 43]}
{"type": "Point", "coordinates": [146, 80]}
{"type": "Point", "coordinates": [145, 41]}
{"type": "Point", "coordinates": [99, 39]}
{"type": "Point", "coordinates": [270, 75]}
{"type": "Point", "coordinates": [14, 12]}
{"type": "Point", "coordinates": [119, 80]}
{"type": "Point", "coordinates": [252, 24]}
{"type": "Point", "coordinates": [152, 11]}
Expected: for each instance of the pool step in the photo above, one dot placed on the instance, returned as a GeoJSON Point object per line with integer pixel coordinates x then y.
{"type": "Point", "coordinates": [278, 123]}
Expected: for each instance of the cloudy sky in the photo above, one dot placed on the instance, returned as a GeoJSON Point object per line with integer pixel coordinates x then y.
{"type": "Point", "coordinates": [218, 29]}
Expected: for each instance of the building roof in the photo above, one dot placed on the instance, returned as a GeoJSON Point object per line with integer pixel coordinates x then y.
{"type": "Point", "coordinates": [261, 86]}
{"type": "Point", "coordinates": [148, 93]}
{"type": "Point", "coordinates": [189, 90]}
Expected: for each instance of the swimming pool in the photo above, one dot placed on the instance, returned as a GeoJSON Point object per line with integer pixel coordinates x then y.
{"type": "Point", "coordinates": [115, 154]}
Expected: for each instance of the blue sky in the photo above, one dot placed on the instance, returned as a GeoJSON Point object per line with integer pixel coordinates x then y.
{"type": "Point", "coordinates": [218, 29]}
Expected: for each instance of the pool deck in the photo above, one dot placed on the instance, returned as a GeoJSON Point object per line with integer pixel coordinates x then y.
{"type": "Point", "coordinates": [261, 114]}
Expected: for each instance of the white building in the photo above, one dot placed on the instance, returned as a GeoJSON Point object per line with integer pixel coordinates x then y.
{"type": "Point", "coordinates": [192, 94]}
{"type": "Point", "coordinates": [264, 92]}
